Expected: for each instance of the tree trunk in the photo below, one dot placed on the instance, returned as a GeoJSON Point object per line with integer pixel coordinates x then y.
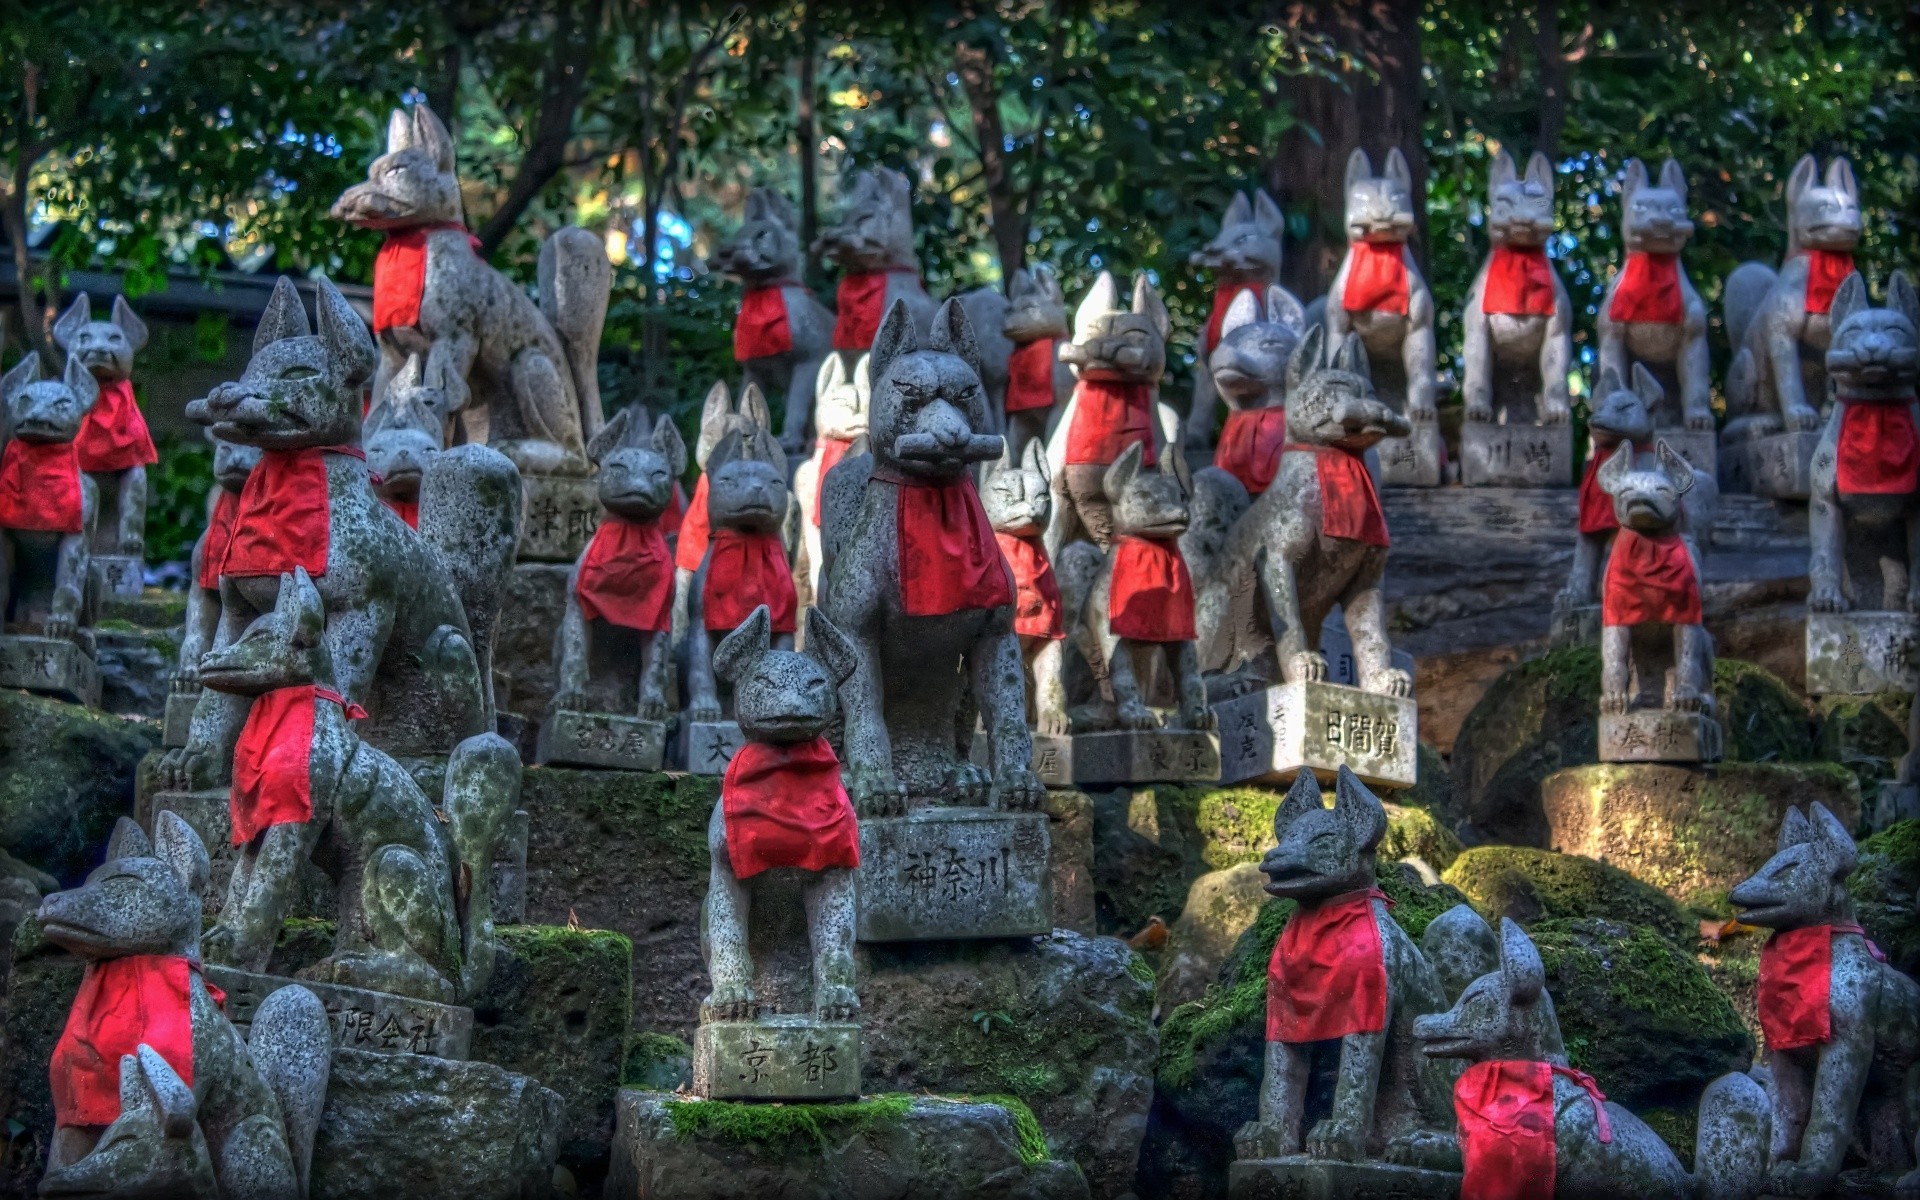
{"type": "Point", "coordinates": [33, 325]}
{"type": "Point", "coordinates": [1553, 79]}
{"type": "Point", "coordinates": [563, 81]}
{"type": "Point", "coordinates": [975, 69]}
{"type": "Point", "coordinates": [807, 134]}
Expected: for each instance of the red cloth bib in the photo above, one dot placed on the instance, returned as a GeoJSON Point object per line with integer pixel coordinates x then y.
{"type": "Point", "coordinates": [1649, 579]}
{"type": "Point", "coordinates": [1250, 446]}
{"type": "Point", "coordinates": [1826, 271]}
{"type": "Point", "coordinates": [1879, 452]}
{"type": "Point", "coordinates": [284, 509]}
{"type": "Point", "coordinates": [832, 450]}
{"type": "Point", "coordinates": [1036, 593]}
{"type": "Point", "coordinates": [1376, 278]}
{"type": "Point", "coordinates": [1030, 376]}
{"type": "Point", "coordinates": [400, 274]}
{"type": "Point", "coordinates": [1519, 282]}
{"type": "Point", "coordinates": [226, 510]}
{"type": "Point", "coordinates": [1649, 291]}
{"type": "Point", "coordinates": [1151, 597]}
{"type": "Point", "coordinates": [1223, 297]}
{"type": "Point", "coordinates": [784, 807]}
{"type": "Point", "coordinates": [271, 780]}
{"type": "Point", "coordinates": [122, 1002]}
{"type": "Point", "coordinates": [744, 571]}
{"type": "Point", "coordinates": [1328, 974]}
{"type": "Point", "coordinates": [406, 510]}
{"type": "Point", "coordinates": [1596, 507]}
{"type": "Point", "coordinates": [948, 557]}
{"type": "Point", "coordinates": [860, 303]}
{"type": "Point", "coordinates": [114, 435]}
{"type": "Point", "coordinates": [1796, 983]}
{"type": "Point", "coordinates": [1506, 1113]}
{"type": "Point", "coordinates": [692, 546]}
{"type": "Point", "coordinates": [626, 576]}
{"type": "Point", "coordinates": [760, 329]}
{"type": "Point", "coordinates": [1349, 503]}
{"type": "Point", "coordinates": [1109, 417]}
{"type": "Point", "coordinates": [40, 487]}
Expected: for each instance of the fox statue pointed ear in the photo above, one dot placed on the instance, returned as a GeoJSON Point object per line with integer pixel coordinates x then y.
{"type": "Point", "coordinates": [1499, 173]}
{"type": "Point", "coordinates": [1540, 172]}
{"type": "Point", "coordinates": [1795, 829]}
{"type": "Point", "coordinates": [1849, 299]}
{"type": "Point", "coordinates": [399, 130]}
{"type": "Point", "coordinates": [1635, 179]}
{"type": "Point", "coordinates": [1674, 179]}
{"type": "Point", "coordinates": [1284, 309]}
{"type": "Point", "coordinates": [1102, 298]}
{"type": "Point", "coordinates": [1019, 284]}
{"type": "Point", "coordinates": [1840, 177]}
{"type": "Point", "coordinates": [1520, 966]}
{"type": "Point", "coordinates": [753, 406]}
{"type": "Point", "coordinates": [131, 326]}
{"type": "Point", "coordinates": [953, 334]}
{"type": "Point", "coordinates": [1267, 214]}
{"type": "Point", "coordinates": [407, 377]}
{"type": "Point", "coordinates": [1836, 843]}
{"type": "Point", "coordinates": [72, 321]}
{"type": "Point", "coordinates": [152, 1093]}
{"type": "Point", "coordinates": [1147, 303]}
{"type": "Point", "coordinates": [284, 317]}
{"type": "Point", "coordinates": [1245, 310]}
{"type": "Point", "coordinates": [1239, 212]}
{"type": "Point", "coordinates": [1034, 458]}
{"type": "Point", "coordinates": [1679, 471]}
{"type": "Point", "coordinates": [833, 649]}
{"type": "Point", "coordinates": [739, 650]}
{"type": "Point", "coordinates": [668, 443]}
{"type": "Point", "coordinates": [1901, 298]}
{"type": "Point", "coordinates": [176, 844]}
{"type": "Point", "coordinates": [1360, 809]}
{"type": "Point", "coordinates": [1359, 166]}
{"type": "Point", "coordinates": [833, 374]}
{"type": "Point", "coordinates": [1615, 469]}
{"type": "Point", "coordinates": [1610, 382]}
{"type": "Point", "coordinates": [1805, 174]}
{"type": "Point", "coordinates": [611, 435]}
{"type": "Point", "coordinates": [300, 603]}
{"type": "Point", "coordinates": [128, 840]}
{"type": "Point", "coordinates": [81, 382]}
{"type": "Point", "coordinates": [350, 350]}
{"type": "Point", "coordinates": [1309, 356]}
{"type": "Point", "coordinates": [716, 413]}
{"type": "Point", "coordinates": [895, 338]}
{"type": "Point", "coordinates": [1646, 386]}
{"type": "Point", "coordinates": [432, 136]}
{"type": "Point", "coordinates": [1398, 170]}
{"type": "Point", "coordinates": [1119, 476]}
{"type": "Point", "coordinates": [1302, 797]}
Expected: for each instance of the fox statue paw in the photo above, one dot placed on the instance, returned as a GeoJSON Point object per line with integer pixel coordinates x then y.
{"type": "Point", "coordinates": [1259, 1140]}
{"type": "Point", "coordinates": [1336, 1139]}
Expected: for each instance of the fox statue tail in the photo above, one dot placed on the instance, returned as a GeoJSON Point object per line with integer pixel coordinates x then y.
{"type": "Point", "coordinates": [1746, 288]}
{"type": "Point", "coordinates": [291, 1044]}
{"type": "Point", "coordinates": [575, 278]}
{"type": "Point", "coordinates": [470, 506]}
{"type": "Point", "coordinates": [1735, 1131]}
{"type": "Point", "coordinates": [482, 790]}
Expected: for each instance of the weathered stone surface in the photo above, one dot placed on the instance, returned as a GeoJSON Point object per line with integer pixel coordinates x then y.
{"type": "Point", "coordinates": [594, 739]}
{"type": "Point", "coordinates": [1415, 461]}
{"type": "Point", "coordinates": [1151, 843]}
{"type": "Point", "coordinates": [136, 667]}
{"type": "Point", "coordinates": [562, 513]}
{"type": "Point", "coordinates": [1865, 734]}
{"type": "Point", "coordinates": [1124, 756]}
{"type": "Point", "coordinates": [883, 1148]}
{"type": "Point", "coordinates": [1700, 447]}
{"type": "Point", "coordinates": [953, 873]}
{"type": "Point", "coordinates": [1541, 885]}
{"type": "Point", "coordinates": [377, 1022]}
{"type": "Point", "coordinates": [1270, 735]}
{"type": "Point", "coordinates": [1659, 735]}
{"type": "Point", "coordinates": [53, 666]}
{"type": "Point", "coordinates": [1862, 653]}
{"type": "Point", "coordinates": [1336, 646]}
{"type": "Point", "coordinates": [706, 747]}
{"type": "Point", "coordinates": [529, 614]}
{"type": "Point", "coordinates": [430, 1129]}
{"type": "Point", "coordinates": [1303, 1178]}
{"type": "Point", "coordinates": [1070, 858]}
{"type": "Point", "coordinates": [33, 1010]}
{"type": "Point", "coordinates": [66, 773]}
{"type": "Point", "coordinates": [1777, 467]}
{"type": "Point", "coordinates": [177, 718]}
{"type": "Point", "coordinates": [1062, 1021]}
{"type": "Point", "coordinates": [1053, 760]}
{"type": "Point", "coordinates": [1689, 832]}
{"type": "Point", "coordinates": [1575, 625]}
{"type": "Point", "coordinates": [782, 1057]}
{"type": "Point", "coordinates": [118, 574]}
{"type": "Point", "coordinates": [1220, 906]}
{"type": "Point", "coordinates": [1519, 456]}
{"type": "Point", "coordinates": [1885, 888]}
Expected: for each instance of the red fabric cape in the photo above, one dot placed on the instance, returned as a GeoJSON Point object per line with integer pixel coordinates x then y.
{"type": "Point", "coordinates": [1506, 1114]}
{"type": "Point", "coordinates": [1349, 503]}
{"type": "Point", "coordinates": [1796, 983]}
{"type": "Point", "coordinates": [1376, 278]}
{"type": "Point", "coordinates": [1519, 282]}
{"type": "Point", "coordinates": [1223, 297]}
{"type": "Point", "coordinates": [1109, 417]}
{"type": "Point", "coordinates": [626, 576]}
{"type": "Point", "coordinates": [860, 303]}
{"type": "Point", "coordinates": [760, 329]}
{"type": "Point", "coordinates": [226, 510]}
{"type": "Point", "coordinates": [832, 450]}
{"type": "Point", "coordinates": [1826, 271]}
{"type": "Point", "coordinates": [406, 510]}
{"type": "Point", "coordinates": [1649, 291]}
{"type": "Point", "coordinates": [272, 784]}
{"type": "Point", "coordinates": [744, 571]}
{"type": "Point", "coordinates": [784, 806]}
{"type": "Point", "coordinates": [400, 274]}
{"type": "Point", "coordinates": [1649, 579]}
{"type": "Point", "coordinates": [1030, 376]}
{"type": "Point", "coordinates": [114, 435]}
{"type": "Point", "coordinates": [1151, 596]}
{"type": "Point", "coordinates": [1036, 593]}
{"type": "Point", "coordinates": [1596, 507]}
{"type": "Point", "coordinates": [284, 510]}
{"type": "Point", "coordinates": [692, 546]}
{"type": "Point", "coordinates": [40, 487]}
{"type": "Point", "coordinates": [1328, 974]}
{"type": "Point", "coordinates": [1879, 451]}
{"type": "Point", "coordinates": [947, 554]}
{"type": "Point", "coordinates": [1250, 446]}
{"type": "Point", "coordinates": [122, 1002]}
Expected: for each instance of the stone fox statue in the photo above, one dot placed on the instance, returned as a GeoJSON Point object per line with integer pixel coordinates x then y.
{"type": "Point", "coordinates": [1650, 614]}
{"type": "Point", "coordinates": [1525, 1117]}
{"type": "Point", "coordinates": [873, 244]}
{"type": "Point", "coordinates": [414, 915]}
{"type": "Point", "coordinates": [114, 444]}
{"type": "Point", "coordinates": [1018, 497]}
{"type": "Point", "coordinates": [1518, 320]}
{"type": "Point", "coordinates": [1865, 511]}
{"type": "Point", "coordinates": [400, 437]}
{"type": "Point", "coordinates": [782, 812]}
{"type": "Point", "coordinates": [781, 332]}
{"type": "Point", "coordinates": [1258, 335]}
{"type": "Point", "coordinates": [1035, 325]}
{"type": "Point", "coordinates": [410, 616]}
{"type": "Point", "coordinates": [48, 505]}
{"type": "Point", "coordinates": [1652, 316]}
{"type": "Point", "coordinates": [1842, 1027]}
{"type": "Point", "coordinates": [1779, 323]}
{"type": "Point", "coordinates": [1244, 257]}
{"type": "Point", "coordinates": [528, 374]}
{"type": "Point", "coordinates": [840, 419]}
{"type": "Point", "coordinates": [1342, 969]}
{"type": "Point", "coordinates": [127, 1124]}
{"type": "Point", "coordinates": [916, 579]}
{"type": "Point", "coordinates": [233, 465]}
{"type": "Point", "coordinates": [1379, 292]}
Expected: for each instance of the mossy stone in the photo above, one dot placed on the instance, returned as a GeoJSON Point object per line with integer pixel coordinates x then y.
{"type": "Point", "coordinates": [656, 1062]}
{"type": "Point", "coordinates": [1885, 888]}
{"type": "Point", "coordinates": [33, 1010]}
{"type": "Point", "coordinates": [1539, 885]}
{"type": "Point", "coordinates": [153, 608]}
{"type": "Point", "coordinates": [1416, 833]}
{"type": "Point", "coordinates": [66, 774]}
{"type": "Point", "coordinates": [1865, 734]}
{"type": "Point", "coordinates": [1761, 718]}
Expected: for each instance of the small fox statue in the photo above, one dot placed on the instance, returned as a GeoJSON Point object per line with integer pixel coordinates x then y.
{"type": "Point", "coordinates": [115, 446]}
{"type": "Point", "coordinates": [1244, 256]}
{"type": "Point", "coordinates": [1652, 316]}
{"type": "Point", "coordinates": [48, 505]}
{"type": "Point", "coordinates": [1379, 292]}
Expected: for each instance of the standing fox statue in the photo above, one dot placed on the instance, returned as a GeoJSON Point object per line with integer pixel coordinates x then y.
{"type": "Point", "coordinates": [780, 334]}
{"type": "Point", "coordinates": [115, 447]}
{"type": "Point", "coordinates": [1652, 316]}
{"type": "Point", "coordinates": [1244, 257]}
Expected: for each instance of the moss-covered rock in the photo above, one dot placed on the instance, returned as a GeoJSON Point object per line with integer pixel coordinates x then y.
{"type": "Point", "coordinates": [1540, 885]}
{"type": "Point", "coordinates": [66, 774]}
{"type": "Point", "coordinates": [1761, 718]}
{"type": "Point", "coordinates": [1433, 787]}
{"type": "Point", "coordinates": [33, 1010]}
{"type": "Point", "coordinates": [657, 1062]}
{"type": "Point", "coordinates": [153, 608]}
{"type": "Point", "coordinates": [1886, 892]}
{"type": "Point", "coordinates": [1220, 906]}
{"type": "Point", "coordinates": [1865, 734]}
{"type": "Point", "coordinates": [1417, 834]}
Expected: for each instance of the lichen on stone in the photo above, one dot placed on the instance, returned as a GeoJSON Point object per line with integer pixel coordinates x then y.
{"type": "Point", "coordinates": [651, 1058]}
{"type": "Point", "coordinates": [66, 774]}
{"type": "Point", "coordinates": [1534, 885]}
{"type": "Point", "coordinates": [1885, 888]}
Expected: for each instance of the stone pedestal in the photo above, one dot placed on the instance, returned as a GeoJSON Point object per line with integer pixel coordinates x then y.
{"type": "Point", "coordinates": [1124, 756]}
{"type": "Point", "coordinates": [1418, 460]}
{"type": "Point", "coordinates": [1700, 447]}
{"type": "Point", "coordinates": [55, 666]}
{"type": "Point", "coordinates": [118, 574]}
{"type": "Point", "coordinates": [1575, 626]}
{"type": "Point", "coordinates": [1862, 653]}
{"type": "Point", "coordinates": [706, 747]}
{"type": "Point", "coordinates": [362, 1020]}
{"type": "Point", "coordinates": [1336, 646]}
{"type": "Point", "coordinates": [1269, 736]}
{"type": "Point", "coordinates": [777, 1058]}
{"type": "Point", "coordinates": [1655, 735]}
{"type": "Point", "coordinates": [1053, 757]}
{"type": "Point", "coordinates": [177, 724]}
{"type": "Point", "coordinates": [1779, 467]}
{"type": "Point", "coordinates": [591, 739]}
{"type": "Point", "coordinates": [1524, 456]}
{"type": "Point", "coordinates": [561, 514]}
{"type": "Point", "coordinates": [942, 873]}
{"type": "Point", "coordinates": [1302, 1178]}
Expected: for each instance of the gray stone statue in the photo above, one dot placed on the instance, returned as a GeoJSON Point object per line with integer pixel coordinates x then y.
{"type": "Point", "coordinates": [48, 506]}
{"type": "Point", "coordinates": [1843, 1039]}
{"type": "Point", "coordinates": [1243, 257]}
{"type": "Point", "coordinates": [1651, 315]}
{"type": "Point", "coordinates": [127, 1123]}
{"type": "Point", "coordinates": [781, 333]}
{"type": "Point", "coordinates": [840, 419]}
{"type": "Point", "coordinates": [401, 437]}
{"type": "Point", "coordinates": [115, 447]}
{"type": "Point", "coordinates": [1035, 325]}
{"type": "Point", "coordinates": [1257, 337]}
{"type": "Point", "coordinates": [873, 243]}
{"type": "Point", "coordinates": [233, 464]}
{"type": "Point", "coordinates": [1018, 496]}
{"type": "Point", "coordinates": [1518, 321]}
{"type": "Point", "coordinates": [524, 378]}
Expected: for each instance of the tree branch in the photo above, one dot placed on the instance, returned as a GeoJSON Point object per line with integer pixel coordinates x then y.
{"type": "Point", "coordinates": [563, 83]}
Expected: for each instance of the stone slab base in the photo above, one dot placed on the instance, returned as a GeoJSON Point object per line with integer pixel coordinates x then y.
{"type": "Point", "coordinates": [1779, 467]}
{"type": "Point", "coordinates": [591, 739]}
{"type": "Point", "coordinates": [561, 514]}
{"type": "Point", "coordinates": [1302, 1178]}
{"type": "Point", "coordinates": [1576, 626]}
{"type": "Point", "coordinates": [118, 574]}
{"type": "Point", "coordinates": [1659, 735]}
{"type": "Point", "coordinates": [55, 666]}
{"type": "Point", "coordinates": [706, 747]}
{"type": "Point", "coordinates": [379, 1022]}
{"type": "Point", "coordinates": [954, 873]}
{"type": "Point", "coordinates": [177, 724]}
{"type": "Point", "coordinates": [777, 1058]}
{"type": "Point", "coordinates": [1493, 455]}
{"type": "Point", "coordinates": [1415, 461]}
{"type": "Point", "coordinates": [1336, 646]}
{"type": "Point", "coordinates": [1053, 757]}
{"type": "Point", "coordinates": [1123, 756]}
{"type": "Point", "coordinates": [1269, 736]}
{"type": "Point", "coordinates": [1862, 653]}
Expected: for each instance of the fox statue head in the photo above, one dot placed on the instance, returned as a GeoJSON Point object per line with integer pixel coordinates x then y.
{"type": "Point", "coordinates": [412, 184]}
{"type": "Point", "coordinates": [105, 348]}
{"type": "Point", "coordinates": [300, 388]}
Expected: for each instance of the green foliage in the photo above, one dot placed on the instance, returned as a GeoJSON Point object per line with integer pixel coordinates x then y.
{"type": "Point", "coordinates": [797, 1126]}
{"type": "Point", "coordinates": [1026, 1127]}
{"type": "Point", "coordinates": [177, 488]}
